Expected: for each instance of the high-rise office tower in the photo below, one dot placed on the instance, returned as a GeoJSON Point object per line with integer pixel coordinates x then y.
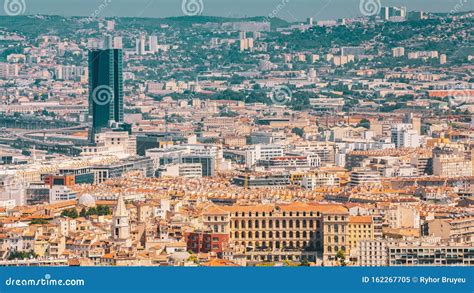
{"type": "Point", "coordinates": [140, 45]}
{"type": "Point", "coordinates": [153, 40]}
{"type": "Point", "coordinates": [105, 89]}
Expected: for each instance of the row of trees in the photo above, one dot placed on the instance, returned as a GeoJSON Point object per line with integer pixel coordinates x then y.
{"type": "Point", "coordinates": [100, 210]}
{"type": "Point", "coordinates": [21, 255]}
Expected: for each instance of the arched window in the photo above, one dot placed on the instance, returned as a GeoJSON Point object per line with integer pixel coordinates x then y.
{"type": "Point", "coordinates": [257, 234]}
{"type": "Point", "coordinates": [270, 234]}
{"type": "Point", "coordinates": [236, 235]}
{"type": "Point", "coordinates": [264, 234]}
{"type": "Point", "coordinates": [250, 234]}
{"type": "Point", "coordinates": [242, 234]}
{"type": "Point", "coordinates": [284, 234]}
{"type": "Point", "coordinates": [329, 249]}
{"type": "Point", "coordinates": [304, 234]}
{"type": "Point", "coordinates": [249, 225]}
{"type": "Point", "coordinates": [297, 234]}
{"type": "Point", "coordinates": [277, 234]}
{"type": "Point", "coordinates": [236, 224]}
{"type": "Point", "coordinates": [336, 239]}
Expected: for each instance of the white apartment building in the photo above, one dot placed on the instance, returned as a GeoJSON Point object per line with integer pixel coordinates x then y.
{"type": "Point", "coordinates": [404, 136]}
{"type": "Point", "coordinates": [262, 152]}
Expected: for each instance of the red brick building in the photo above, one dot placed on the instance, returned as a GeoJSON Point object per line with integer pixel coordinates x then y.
{"type": "Point", "coordinates": [206, 241]}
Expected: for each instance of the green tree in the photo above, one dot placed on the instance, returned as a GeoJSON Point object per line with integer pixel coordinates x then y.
{"type": "Point", "coordinates": [364, 123]}
{"type": "Point", "coordinates": [38, 222]}
{"type": "Point", "coordinates": [341, 258]}
{"type": "Point", "coordinates": [298, 131]}
{"type": "Point", "coordinates": [70, 213]}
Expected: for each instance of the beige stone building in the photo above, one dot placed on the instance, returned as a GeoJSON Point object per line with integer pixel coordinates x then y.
{"type": "Point", "coordinates": [291, 232]}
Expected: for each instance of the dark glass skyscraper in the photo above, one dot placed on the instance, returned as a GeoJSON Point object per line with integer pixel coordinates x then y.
{"type": "Point", "coordinates": [105, 88]}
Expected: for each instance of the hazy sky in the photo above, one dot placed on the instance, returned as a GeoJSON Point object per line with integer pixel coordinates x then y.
{"type": "Point", "coordinates": [291, 10]}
